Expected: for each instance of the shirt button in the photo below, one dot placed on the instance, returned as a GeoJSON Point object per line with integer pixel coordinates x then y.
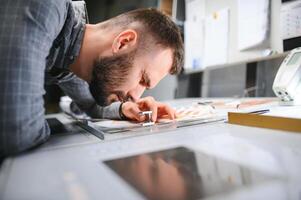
{"type": "Point", "coordinates": [71, 57]}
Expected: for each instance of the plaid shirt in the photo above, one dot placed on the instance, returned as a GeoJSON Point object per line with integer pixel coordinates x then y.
{"type": "Point", "coordinates": [39, 39]}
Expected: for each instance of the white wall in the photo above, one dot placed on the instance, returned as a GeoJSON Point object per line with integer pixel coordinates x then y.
{"type": "Point", "coordinates": [165, 90]}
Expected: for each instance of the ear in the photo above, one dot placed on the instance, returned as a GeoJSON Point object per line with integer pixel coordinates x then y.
{"type": "Point", "coordinates": [125, 41]}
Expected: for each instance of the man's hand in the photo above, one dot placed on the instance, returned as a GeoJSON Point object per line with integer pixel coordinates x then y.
{"type": "Point", "coordinates": [160, 110]}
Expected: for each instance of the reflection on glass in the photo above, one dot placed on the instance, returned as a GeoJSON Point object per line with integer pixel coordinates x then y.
{"type": "Point", "coordinates": [181, 173]}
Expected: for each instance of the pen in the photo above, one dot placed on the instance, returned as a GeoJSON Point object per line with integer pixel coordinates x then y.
{"type": "Point", "coordinates": [259, 112]}
{"type": "Point", "coordinates": [205, 102]}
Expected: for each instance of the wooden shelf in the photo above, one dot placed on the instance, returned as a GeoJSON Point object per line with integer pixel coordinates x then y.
{"type": "Point", "coordinates": [279, 55]}
{"type": "Point", "coordinates": [166, 6]}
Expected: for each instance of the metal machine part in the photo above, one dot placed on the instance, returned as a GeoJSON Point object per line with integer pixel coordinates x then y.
{"type": "Point", "coordinates": [287, 83]}
{"type": "Point", "coordinates": [148, 118]}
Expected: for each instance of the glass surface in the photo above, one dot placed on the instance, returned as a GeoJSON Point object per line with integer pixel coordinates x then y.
{"type": "Point", "coordinates": [181, 173]}
{"type": "Point", "coordinates": [294, 58]}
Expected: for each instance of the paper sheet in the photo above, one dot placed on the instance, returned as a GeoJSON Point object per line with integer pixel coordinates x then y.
{"type": "Point", "coordinates": [216, 38]}
{"type": "Point", "coordinates": [199, 111]}
{"type": "Point", "coordinates": [194, 10]}
{"type": "Point", "coordinates": [291, 19]}
{"type": "Point", "coordinates": [191, 112]}
{"type": "Point", "coordinates": [194, 41]}
{"type": "Point", "coordinates": [253, 23]}
{"type": "Point", "coordinates": [194, 33]}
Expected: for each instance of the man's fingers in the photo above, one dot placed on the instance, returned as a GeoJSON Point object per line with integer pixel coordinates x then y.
{"type": "Point", "coordinates": [132, 111]}
{"type": "Point", "coordinates": [165, 109]}
{"type": "Point", "coordinates": [135, 112]}
{"type": "Point", "coordinates": [149, 103]}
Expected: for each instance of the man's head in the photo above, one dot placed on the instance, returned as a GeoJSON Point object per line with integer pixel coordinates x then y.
{"type": "Point", "coordinates": [145, 47]}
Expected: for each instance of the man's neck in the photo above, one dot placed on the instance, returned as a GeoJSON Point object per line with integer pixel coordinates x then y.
{"type": "Point", "coordinates": [93, 46]}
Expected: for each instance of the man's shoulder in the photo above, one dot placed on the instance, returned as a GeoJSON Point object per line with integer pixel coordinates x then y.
{"type": "Point", "coordinates": [52, 2]}
{"type": "Point", "coordinates": [58, 5]}
{"type": "Point", "coordinates": [50, 14]}
{"type": "Point", "coordinates": [48, 7]}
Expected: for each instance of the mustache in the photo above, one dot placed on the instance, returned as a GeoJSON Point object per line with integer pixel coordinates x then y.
{"type": "Point", "coordinates": [123, 97]}
{"type": "Point", "coordinates": [108, 75]}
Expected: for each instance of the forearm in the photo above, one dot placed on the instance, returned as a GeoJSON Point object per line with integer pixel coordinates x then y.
{"type": "Point", "coordinates": [108, 112]}
{"type": "Point", "coordinates": [78, 91]}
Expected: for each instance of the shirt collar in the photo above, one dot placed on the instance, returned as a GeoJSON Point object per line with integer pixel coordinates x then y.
{"type": "Point", "coordinates": [81, 15]}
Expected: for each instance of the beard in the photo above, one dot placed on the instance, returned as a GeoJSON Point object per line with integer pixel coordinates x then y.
{"type": "Point", "coordinates": [109, 73]}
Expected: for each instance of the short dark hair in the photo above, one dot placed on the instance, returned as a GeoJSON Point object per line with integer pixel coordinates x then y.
{"type": "Point", "coordinates": [161, 27]}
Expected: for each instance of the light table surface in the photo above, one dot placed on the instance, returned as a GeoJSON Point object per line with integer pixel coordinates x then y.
{"type": "Point", "coordinates": [70, 166]}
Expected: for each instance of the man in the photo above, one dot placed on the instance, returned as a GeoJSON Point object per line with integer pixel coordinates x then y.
{"type": "Point", "coordinates": [44, 41]}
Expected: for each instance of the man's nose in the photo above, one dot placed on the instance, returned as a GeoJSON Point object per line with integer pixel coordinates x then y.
{"type": "Point", "coordinates": [112, 98]}
{"type": "Point", "coordinates": [136, 93]}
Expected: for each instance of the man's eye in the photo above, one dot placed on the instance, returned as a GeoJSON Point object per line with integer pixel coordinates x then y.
{"type": "Point", "coordinates": [130, 98]}
{"type": "Point", "coordinates": [142, 82]}
{"type": "Point", "coordinates": [145, 81]}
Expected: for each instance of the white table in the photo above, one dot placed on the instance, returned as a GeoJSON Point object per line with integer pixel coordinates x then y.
{"type": "Point", "coordinates": [69, 166]}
